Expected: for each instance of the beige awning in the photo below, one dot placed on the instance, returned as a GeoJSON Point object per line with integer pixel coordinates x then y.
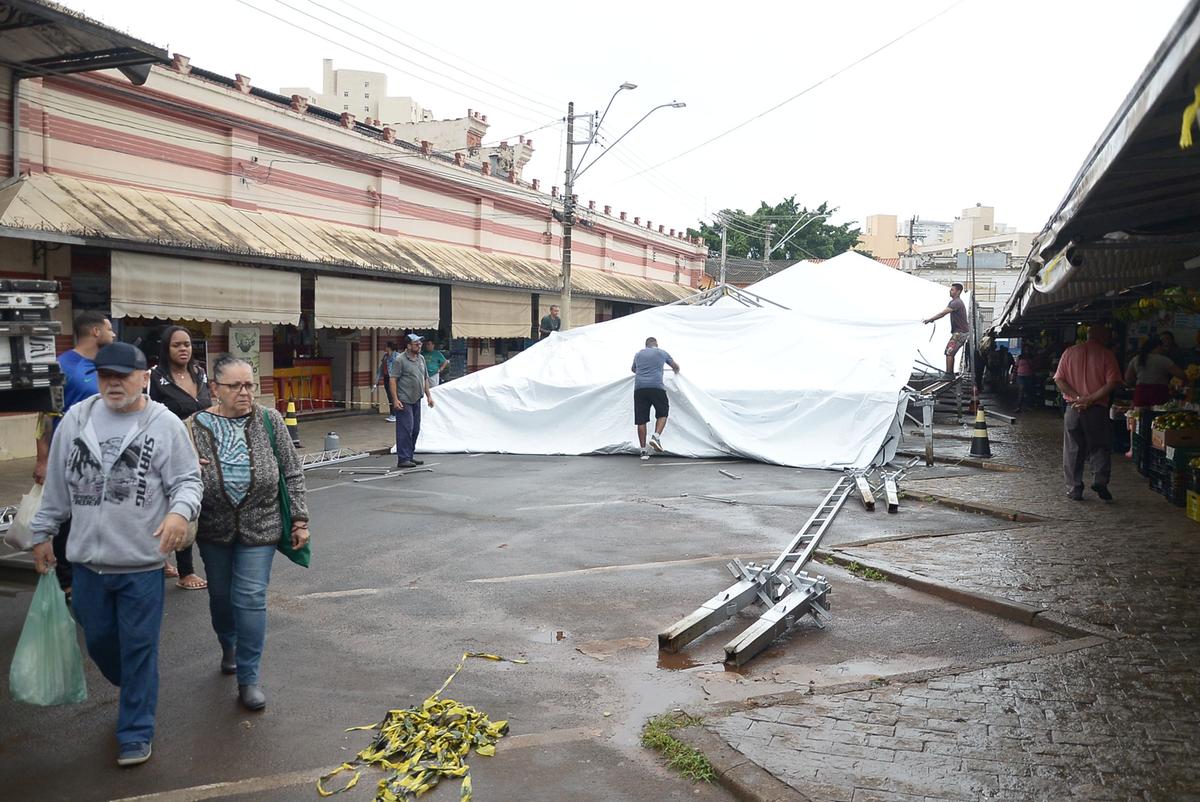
{"type": "Point", "coordinates": [147, 285]}
{"type": "Point", "coordinates": [478, 312]}
{"type": "Point", "coordinates": [43, 205]}
{"type": "Point", "coordinates": [354, 303]}
{"type": "Point", "coordinates": [583, 310]}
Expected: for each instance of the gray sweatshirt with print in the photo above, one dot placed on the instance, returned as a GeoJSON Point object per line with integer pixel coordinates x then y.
{"type": "Point", "coordinates": [114, 513]}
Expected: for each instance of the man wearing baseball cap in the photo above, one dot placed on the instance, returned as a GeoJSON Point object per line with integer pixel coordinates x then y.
{"type": "Point", "coordinates": [409, 381]}
{"type": "Point", "coordinates": [124, 470]}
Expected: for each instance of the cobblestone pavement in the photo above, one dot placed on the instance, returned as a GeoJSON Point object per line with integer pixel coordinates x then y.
{"type": "Point", "coordinates": [1095, 718]}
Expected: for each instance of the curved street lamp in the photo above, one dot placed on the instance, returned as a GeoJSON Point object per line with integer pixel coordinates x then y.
{"type": "Point", "coordinates": [568, 216]}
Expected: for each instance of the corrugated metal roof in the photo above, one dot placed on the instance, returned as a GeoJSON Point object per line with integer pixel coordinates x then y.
{"type": "Point", "coordinates": [44, 38]}
{"type": "Point", "coordinates": [113, 215]}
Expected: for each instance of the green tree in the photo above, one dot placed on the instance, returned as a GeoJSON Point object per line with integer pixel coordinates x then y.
{"type": "Point", "coordinates": [818, 239]}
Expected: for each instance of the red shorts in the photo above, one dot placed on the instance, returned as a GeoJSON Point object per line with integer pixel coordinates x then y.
{"type": "Point", "coordinates": [956, 341]}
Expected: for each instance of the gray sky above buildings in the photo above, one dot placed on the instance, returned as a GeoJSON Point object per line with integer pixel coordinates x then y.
{"type": "Point", "coordinates": [989, 102]}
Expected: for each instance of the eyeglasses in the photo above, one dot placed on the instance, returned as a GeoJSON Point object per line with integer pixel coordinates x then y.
{"type": "Point", "coordinates": [238, 387]}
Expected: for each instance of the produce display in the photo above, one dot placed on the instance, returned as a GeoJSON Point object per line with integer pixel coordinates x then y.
{"type": "Point", "coordinates": [1174, 421]}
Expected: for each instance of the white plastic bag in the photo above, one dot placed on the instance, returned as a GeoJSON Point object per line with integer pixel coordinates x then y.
{"type": "Point", "coordinates": [20, 534]}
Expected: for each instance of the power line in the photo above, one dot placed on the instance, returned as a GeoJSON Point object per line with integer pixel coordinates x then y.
{"type": "Point", "coordinates": [297, 26]}
{"type": "Point", "coordinates": [804, 91]}
{"type": "Point", "coordinates": [527, 87]}
{"type": "Point", "coordinates": [402, 43]}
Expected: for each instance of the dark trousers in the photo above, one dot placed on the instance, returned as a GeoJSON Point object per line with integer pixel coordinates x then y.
{"type": "Point", "coordinates": [184, 561]}
{"type": "Point", "coordinates": [1087, 438]}
{"type": "Point", "coordinates": [387, 388]}
{"type": "Point", "coordinates": [62, 567]}
{"type": "Point", "coordinates": [408, 427]}
{"type": "Point", "coordinates": [121, 616]}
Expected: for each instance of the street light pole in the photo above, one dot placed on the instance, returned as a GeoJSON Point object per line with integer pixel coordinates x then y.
{"type": "Point", "coordinates": [571, 174]}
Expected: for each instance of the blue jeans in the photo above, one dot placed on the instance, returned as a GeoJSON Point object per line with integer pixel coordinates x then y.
{"type": "Point", "coordinates": [408, 426]}
{"type": "Point", "coordinates": [237, 600]}
{"type": "Point", "coordinates": [121, 616]}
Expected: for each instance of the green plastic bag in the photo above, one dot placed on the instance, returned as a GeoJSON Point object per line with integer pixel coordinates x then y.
{"type": "Point", "coordinates": [47, 668]}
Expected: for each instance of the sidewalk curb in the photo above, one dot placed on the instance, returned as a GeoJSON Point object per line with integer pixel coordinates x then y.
{"type": "Point", "coordinates": [736, 773]}
{"type": "Point", "coordinates": [1027, 614]}
{"type": "Point", "coordinates": [970, 462]}
{"type": "Point", "coordinates": [962, 505]}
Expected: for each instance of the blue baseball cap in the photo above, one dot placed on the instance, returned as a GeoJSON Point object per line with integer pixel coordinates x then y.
{"type": "Point", "coordinates": [120, 358]}
{"type": "Point", "coordinates": [414, 338]}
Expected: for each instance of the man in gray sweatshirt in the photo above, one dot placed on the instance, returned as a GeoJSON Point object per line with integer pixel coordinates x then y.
{"type": "Point", "coordinates": [123, 469]}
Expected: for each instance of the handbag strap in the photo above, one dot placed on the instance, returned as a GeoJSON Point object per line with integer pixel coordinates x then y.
{"type": "Point", "coordinates": [266, 416]}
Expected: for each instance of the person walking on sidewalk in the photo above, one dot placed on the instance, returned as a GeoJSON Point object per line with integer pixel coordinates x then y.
{"type": "Point", "coordinates": [93, 331]}
{"type": "Point", "coordinates": [649, 391]}
{"type": "Point", "coordinates": [122, 468]}
{"type": "Point", "coordinates": [241, 518]}
{"type": "Point", "coordinates": [381, 377]}
{"type": "Point", "coordinates": [1086, 374]}
{"type": "Point", "coordinates": [180, 384]}
{"type": "Point", "coordinates": [409, 379]}
{"type": "Point", "coordinates": [959, 328]}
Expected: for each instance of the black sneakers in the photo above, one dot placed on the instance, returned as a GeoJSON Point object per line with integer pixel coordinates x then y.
{"type": "Point", "coordinates": [1102, 492]}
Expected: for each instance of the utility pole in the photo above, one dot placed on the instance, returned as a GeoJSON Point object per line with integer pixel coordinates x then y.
{"type": "Point", "coordinates": [767, 248]}
{"type": "Point", "coordinates": [912, 224]}
{"type": "Point", "coordinates": [724, 250]}
{"type": "Point", "coordinates": [568, 220]}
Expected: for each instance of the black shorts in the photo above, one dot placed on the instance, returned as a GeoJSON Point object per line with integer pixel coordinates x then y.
{"type": "Point", "coordinates": [646, 397]}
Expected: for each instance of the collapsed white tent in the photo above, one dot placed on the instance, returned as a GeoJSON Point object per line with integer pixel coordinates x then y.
{"type": "Point", "coordinates": [857, 287]}
{"type": "Point", "coordinates": [806, 388]}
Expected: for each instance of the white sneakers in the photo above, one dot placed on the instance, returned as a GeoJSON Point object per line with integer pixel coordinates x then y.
{"type": "Point", "coordinates": [656, 443]}
{"type": "Point", "coordinates": [391, 419]}
{"type": "Point", "coordinates": [645, 453]}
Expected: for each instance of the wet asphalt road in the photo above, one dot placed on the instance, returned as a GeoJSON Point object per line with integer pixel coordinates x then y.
{"type": "Point", "coordinates": [574, 563]}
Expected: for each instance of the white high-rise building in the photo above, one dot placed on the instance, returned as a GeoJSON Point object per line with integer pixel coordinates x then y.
{"type": "Point", "coordinates": [363, 94]}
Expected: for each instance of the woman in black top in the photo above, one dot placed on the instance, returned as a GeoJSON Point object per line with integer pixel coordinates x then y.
{"type": "Point", "coordinates": [180, 384]}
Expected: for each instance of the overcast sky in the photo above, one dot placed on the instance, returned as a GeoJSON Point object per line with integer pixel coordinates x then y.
{"type": "Point", "coordinates": [993, 103]}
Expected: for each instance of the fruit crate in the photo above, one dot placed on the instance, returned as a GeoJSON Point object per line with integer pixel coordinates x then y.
{"type": "Point", "coordinates": [1170, 488]}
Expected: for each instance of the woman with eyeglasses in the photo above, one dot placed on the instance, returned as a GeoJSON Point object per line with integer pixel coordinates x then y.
{"type": "Point", "coordinates": [240, 519]}
{"type": "Point", "coordinates": [180, 384]}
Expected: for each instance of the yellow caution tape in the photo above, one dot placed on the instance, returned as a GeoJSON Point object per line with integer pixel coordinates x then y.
{"type": "Point", "coordinates": [1189, 119]}
{"type": "Point", "coordinates": [422, 744]}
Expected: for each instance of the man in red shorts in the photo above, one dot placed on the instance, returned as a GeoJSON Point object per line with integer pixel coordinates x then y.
{"type": "Point", "coordinates": [960, 330]}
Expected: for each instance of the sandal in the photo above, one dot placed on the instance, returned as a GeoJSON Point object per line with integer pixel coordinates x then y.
{"type": "Point", "coordinates": [191, 582]}
{"type": "Point", "coordinates": [171, 570]}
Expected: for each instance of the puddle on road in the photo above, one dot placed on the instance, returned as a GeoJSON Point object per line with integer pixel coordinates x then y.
{"type": "Point", "coordinates": [676, 661]}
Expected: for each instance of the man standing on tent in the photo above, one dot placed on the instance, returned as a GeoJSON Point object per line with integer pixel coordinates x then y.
{"type": "Point", "coordinates": [959, 328]}
{"type": "Point", "coordinates": [648, 391]}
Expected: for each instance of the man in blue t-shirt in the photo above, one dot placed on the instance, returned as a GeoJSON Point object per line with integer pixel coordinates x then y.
{"type": "Point", "coordinates": [93, 331]}
{"type": "Point", "coordinates": [648, 391]}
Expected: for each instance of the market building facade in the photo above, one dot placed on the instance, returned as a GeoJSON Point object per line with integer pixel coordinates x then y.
{"type": "Point", "coordinates": [298, 237]}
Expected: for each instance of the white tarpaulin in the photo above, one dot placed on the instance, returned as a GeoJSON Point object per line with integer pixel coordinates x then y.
{"type": "Point", "coordinates": [851, 286]}
{"type": "Point", "coordinates": [809, 389]}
